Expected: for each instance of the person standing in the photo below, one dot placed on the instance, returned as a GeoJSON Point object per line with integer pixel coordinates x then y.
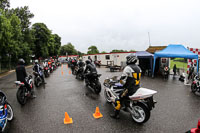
{"type": "Point", "coordinates": [174, 69]}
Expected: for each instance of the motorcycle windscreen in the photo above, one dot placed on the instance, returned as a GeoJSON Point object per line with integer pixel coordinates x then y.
{"type": "Point", "coordinates": [142, 93]}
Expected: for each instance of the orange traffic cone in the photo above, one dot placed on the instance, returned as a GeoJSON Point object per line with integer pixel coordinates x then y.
{"type": "Point", "coordinates": [67, 119]}
{"type": "Point", "coordinates": [70, 72]}
{"type": "Point", "coordinates": [62, 66]}
{"type": "Point", "coordinates": [62, 72]}
{"type": "Point", "coordinates": [97, 113]}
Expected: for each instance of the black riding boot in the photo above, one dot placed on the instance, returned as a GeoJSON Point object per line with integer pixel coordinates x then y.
{"type": "Point", "coordinates": [115, 115]}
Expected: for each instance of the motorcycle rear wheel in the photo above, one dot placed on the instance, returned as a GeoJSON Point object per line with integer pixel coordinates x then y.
{"type": "Point", "coordinates": [97, 87]}
{"type": "Point", "coordinates": [193, 87]}
{"type": "Point", "coordinates": [21, 98]}
{"type": "Point", "coordinates": [143, 113]}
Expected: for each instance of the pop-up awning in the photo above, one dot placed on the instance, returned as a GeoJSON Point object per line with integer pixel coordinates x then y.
{"type": "Point", "coordinates": [175, 51]}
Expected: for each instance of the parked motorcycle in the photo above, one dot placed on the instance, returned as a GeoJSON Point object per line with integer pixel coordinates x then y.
{"type": "Point", "coordinates": [23, 93]}
{"type": "Point", "coordinates": [37, 79]}
{"type": "Point", "coordinates": [6, 112]}
{"type": "Point", "coordinates": [79, 73]}
{"type": "Point", "coordinates": [138, 105]}
{"type": "Point", "coordinates": [93, 83]}
{"type": "Point", "coordinates": [195, 86]}
{"type": "Point", "coordinates": [51, 68]}
{"type": "Point", "coordinates": [46, 71]}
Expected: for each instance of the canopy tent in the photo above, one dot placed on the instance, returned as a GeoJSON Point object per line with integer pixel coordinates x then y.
{"type": "Point", "coordinates": [143, 54]}
{"type": "Point", "coordinates": [175, 51]}
{"type": "Point", "coordinates": [146, 55]}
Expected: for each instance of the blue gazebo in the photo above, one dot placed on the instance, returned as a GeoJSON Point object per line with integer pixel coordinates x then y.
{"type": "Point", "coordinates": [175, 51]}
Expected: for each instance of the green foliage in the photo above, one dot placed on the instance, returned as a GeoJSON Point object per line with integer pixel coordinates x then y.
{"type": "Point", "coordinates": [132, 50]}
{"type": "Point", "coordinates": [18, 40]}
{"type": "Point", "coordinates": [116, 51]}
{"type": "Point", "coordinates": [180, 63]}
{"type": "Point", "coordinates": [24, 15]}
{"type": "Point", "coordinates": [103, 52]}
{"type": "Point", "coordinates": [93, 50]}
{"type": "Point", "coordinates": [69, 49]}
{"type": "Point", "coordinates": [4, 4]}
{"type": "Point", "coordinates": [42, 36]}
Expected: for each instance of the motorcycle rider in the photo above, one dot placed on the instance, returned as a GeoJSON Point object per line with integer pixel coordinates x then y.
{"type": "Point", "coordinates": [37, 68]}
{"type": "Point", "coordinates": [89, 70]}
{"type": "Point", "coordinates": [130, 80]}
{"type": "Point", "coordinates": [21, 75]}
{"type": "Point", "coordinates": [45, 63]}
{"type": "Point", "coordinates": [80, 65]}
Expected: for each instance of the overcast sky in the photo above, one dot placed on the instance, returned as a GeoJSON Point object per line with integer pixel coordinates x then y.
{"type": "Point", "coordinates": [119, 24]}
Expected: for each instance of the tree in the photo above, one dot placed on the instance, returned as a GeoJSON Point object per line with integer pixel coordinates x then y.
{"type": "Point", "coordinates": [132, 50]}
{"type": "Point", "coordinates": [116, 51]}
{"type": "Point", "coordinates": [57, 43]}
{"type": "Point", "coordinates": [4, 4]}
{"type": "Point", "coordinates": [93, 50]}
{"type": "Point", "coordinates": [42, 35]}
{"type": "Point", "coordinates": [5, 34]}
{"type": "Point", "coordinates": [103, 52]}
{"type": "Point", "coordinates": [69, 49]}
{"type": "Point", "coordinates": [24, 15]}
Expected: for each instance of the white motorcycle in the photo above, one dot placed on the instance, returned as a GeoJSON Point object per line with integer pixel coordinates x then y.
{"type": "Point", "coordinates": [138, 105]}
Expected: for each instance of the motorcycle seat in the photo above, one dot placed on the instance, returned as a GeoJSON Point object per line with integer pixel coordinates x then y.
{"type": "Point", "coordinates": [118, 86]}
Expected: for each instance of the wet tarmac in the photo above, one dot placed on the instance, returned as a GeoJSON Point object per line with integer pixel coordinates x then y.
{"type": "Point", "coordinates": [177, 110]}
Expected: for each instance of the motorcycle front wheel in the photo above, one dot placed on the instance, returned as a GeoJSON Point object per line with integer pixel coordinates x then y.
{"type": "Point", "coordinates": [10, 114]}
{"type": "Point", "coordinates": [21, 98]}
{"type": "Point", "coordinates": [193, 87]}
{"type": "Point", "coordinates": [142, 113]}
{"type": "Point", "coordinates": [107, 97]}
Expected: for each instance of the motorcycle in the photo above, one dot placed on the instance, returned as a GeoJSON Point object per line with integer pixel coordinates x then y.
{"type": "Point", "coordinates": [166, 72]}
{"type": "Point", "coordinates": [195, 86]}
{"type": "Point", "coordinates": [23, 93]}
{"type": "Point", "coordinates": [79, 73]}
{"type": "Point", "coordinates": [138, 105]}
{"type": "Point", "coordinates": [50, 68]}
{"type": "Point", "coordinates": [6, 112]}
{"type": "Point", "coordinates": [93, 82]}
{"type": "Point", "coordinates": [46, 72]}
{"type": "Point", "coordinates": [37, 79]}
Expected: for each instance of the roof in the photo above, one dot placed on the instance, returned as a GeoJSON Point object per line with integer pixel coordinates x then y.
{"type": "Point", "coordinates": [110, 53]}
{"type": "Point", "coordinates": [153, 49]}
{"type": "Point", "coordinates": [177, 51]}
{"type": "Point", "coordinates": [144, 54]}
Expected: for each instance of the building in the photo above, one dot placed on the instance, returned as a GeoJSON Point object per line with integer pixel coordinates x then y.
{"type": "Point", "coordinates": [61, 58]}
{"type": "Point", "coordinates": [109, 58]}
{"type": "Point", "coordinates": [153, 49]}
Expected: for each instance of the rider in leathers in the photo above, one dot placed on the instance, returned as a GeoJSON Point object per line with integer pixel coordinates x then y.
{"type": "Point", "coordinates": [22, 75]}
{"type": "Point", "coordinates": [89, 70]}
{"type": "Point", "coordinates": [130, 80]}
{"type": "Point", "coordinates": [37, 68]}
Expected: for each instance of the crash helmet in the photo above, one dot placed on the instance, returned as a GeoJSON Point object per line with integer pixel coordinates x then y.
{"type": "Point", "coordinates": [21, 61]}
{"type": "Point", "coordinates": [88, 62]}
{"type": "Point", "coordinates": [36, 61]}
{"type": "Point", "coordinates": [131, 59]}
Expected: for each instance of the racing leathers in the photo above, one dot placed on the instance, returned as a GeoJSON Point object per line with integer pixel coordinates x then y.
{"type": "Point", "coordinates": [37, 68]}
{"type": "Point", "coordinates": [90, 70]}
{"type": "Point", "coordinates": [21, 76]}
{"type": "Point", "coordinates": [130, 80]}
